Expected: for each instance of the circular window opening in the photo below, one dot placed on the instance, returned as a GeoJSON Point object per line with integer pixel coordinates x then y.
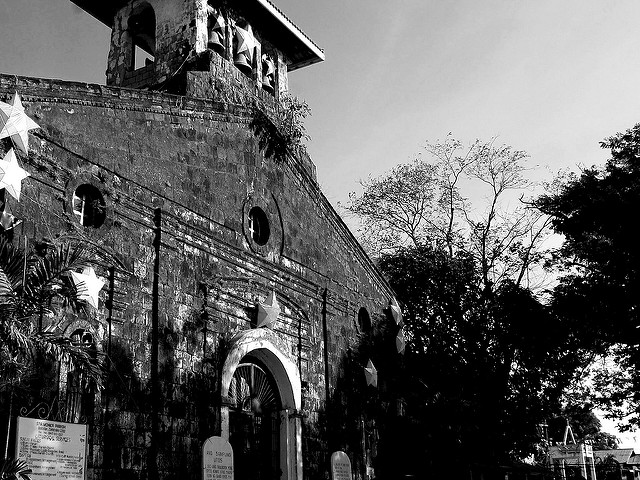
{"type": "Point", "coordinates": [89, 206]}
{"type": "Point", "coordinates": [82, 338]}
{"type": "Point", "coordinates": [364, 321]}
{"type": "Point", "coordinates": [259, 226]}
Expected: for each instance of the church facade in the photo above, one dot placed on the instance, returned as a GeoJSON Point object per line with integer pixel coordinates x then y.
{"type": "Point", "coordinates": [231, 291]}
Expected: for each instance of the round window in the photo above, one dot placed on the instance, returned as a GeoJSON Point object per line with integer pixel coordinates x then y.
{"type": "Point", "coordinates": [89, 206]}
{"type": "Point", "coordinates": [259, 226]}
{"type": "Point", "coordinates": [364, 321]}
{"type": "Point", "coordinates": [81, 337]}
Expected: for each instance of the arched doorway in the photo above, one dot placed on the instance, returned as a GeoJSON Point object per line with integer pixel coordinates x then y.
{"type": "Point", "coordinates": [261, 401]}
{"type": "Point", "coordinates": [254, 421]}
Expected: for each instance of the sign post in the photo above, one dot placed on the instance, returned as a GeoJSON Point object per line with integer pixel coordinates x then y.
{"type": "Point", "coordinates": [340, 466]}
{"type": "Point", "coordinates": [52, 449]}
{"type": "Point", "coordinates": [217, 459]}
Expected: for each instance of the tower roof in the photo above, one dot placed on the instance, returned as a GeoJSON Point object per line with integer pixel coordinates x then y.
{"type": "Point", "coordinates": [281, 31]}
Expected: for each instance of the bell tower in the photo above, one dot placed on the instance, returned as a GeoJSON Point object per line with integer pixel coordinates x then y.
{"type": "Point", "coordinates": [182, 46]}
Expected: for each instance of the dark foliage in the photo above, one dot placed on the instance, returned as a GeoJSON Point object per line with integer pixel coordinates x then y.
{"type": "Point", "coordinates": [35, 285]}
{"type": "Point", "coordinates": [598, 294]}
{"type": "Point", "coordinates": [482, 368]}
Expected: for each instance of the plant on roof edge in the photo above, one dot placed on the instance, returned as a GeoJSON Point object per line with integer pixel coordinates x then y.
{"type": "Point", "coordinates": [281, 130]}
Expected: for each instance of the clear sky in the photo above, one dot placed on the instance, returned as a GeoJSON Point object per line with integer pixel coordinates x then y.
{"type": "Point", "coordinates": [549, 77]}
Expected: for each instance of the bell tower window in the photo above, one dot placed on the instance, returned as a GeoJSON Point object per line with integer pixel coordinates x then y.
{"type": "Point", "coordinates": [142, 30]}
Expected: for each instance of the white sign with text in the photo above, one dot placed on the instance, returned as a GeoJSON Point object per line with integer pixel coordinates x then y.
{"type": "Point", "coordinates": [52, 449]}
{"type": "Point", "coordinates": [340, 466]}
{"type": "Point", "coordinates": [217, 459]}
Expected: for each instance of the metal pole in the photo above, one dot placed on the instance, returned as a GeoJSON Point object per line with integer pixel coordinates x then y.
{"type": "Point", "coordinates": [6, 446]}
{"type": "Point", "coordinates": [24, 266]}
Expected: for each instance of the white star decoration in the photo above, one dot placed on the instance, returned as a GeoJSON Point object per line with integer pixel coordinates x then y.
{"type": "Point", "coordinates": [11, 174]}
{"type": "Point", "coordinates": [216, 26]}
{"type": "Point", "coordinates": [268, 312]}
{"type": "Point", "coordinates": [396, 311]}
{"type": "Point", "coordinates": [14, 123]}
{"type": "Point", "coordinates": [219, 22]}
{"type": "Point", "coordinates": [246, 41]}
{"type": "Point", "coordinates": [88, 285]}
{"type": "Point", "coordinates": [400, 341]}
{"type": "Point", "coordinates": [8, 221]}
{"type": "Point", "coordinates": [371, 374]}
{"type": "Point", "coordinates": [268, 63]}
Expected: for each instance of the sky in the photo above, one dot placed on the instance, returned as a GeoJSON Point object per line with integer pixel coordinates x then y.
{"type": "Point", "coordinates": [552, 78]}
{"type": "Point", "coordinates": [548, 77]}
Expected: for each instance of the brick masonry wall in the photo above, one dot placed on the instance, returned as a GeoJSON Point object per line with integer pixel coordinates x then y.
{"type": "Point", "coordinates": [187, 171]}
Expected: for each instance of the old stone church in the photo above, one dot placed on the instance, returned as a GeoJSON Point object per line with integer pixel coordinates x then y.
{"type": "Point", "coordinates": [232, 291]}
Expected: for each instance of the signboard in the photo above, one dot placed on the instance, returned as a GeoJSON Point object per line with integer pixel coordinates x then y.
{"type": "Point", "coordinates": [217, 459]}
{"type": "Point", "coordinates": [52, 449]}
{"type": "Point", "coordinates": [340, 466]}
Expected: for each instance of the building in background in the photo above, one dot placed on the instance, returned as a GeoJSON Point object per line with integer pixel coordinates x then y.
{"type": "Point", "coordinates": [617, 463]}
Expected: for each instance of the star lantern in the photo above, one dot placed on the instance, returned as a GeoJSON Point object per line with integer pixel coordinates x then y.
{"type": "Point", "coordinates": [268, 311]}
{"type": "Point", "coordinates": [268, 66]}
{"type": "Point", "coordinates": [218, 22]}
{"type": "Point", "coordinates": [400, 341]}
{"type": "Point", "coordinates": [396, 311]}
{"type": "Point", "coordinates": [246, 42]}
{"type": "Point", "coordinates": [371, 374]}
{"type": "Point", "coordinates": [88, 285]}
{"type": "Point", "coordinates": [268, 70]}
{"type": "Point", "coordinates": [8, 221]}
{"type": "Point", "coordinates": [11, 174]}
{"type": "Point", "coordinates": [216, 27]}
{"type": "Point", "coordinates": [14, 123]}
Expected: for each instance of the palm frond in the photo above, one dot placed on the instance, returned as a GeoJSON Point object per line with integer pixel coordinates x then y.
{"type": "Point", "coordinates": [14, 469]}
{"type": "Point", "coordinates": [47, 290]}
{"type": "Point", "coordinates": [47, 276]}
{"type": "Point", "coordinates": [11, 267]}
{"type": "Point", "coordinates": [83, 359]}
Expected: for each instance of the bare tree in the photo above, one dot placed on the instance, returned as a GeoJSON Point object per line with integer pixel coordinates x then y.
{"type": "Point", "coordinates": [461, 197]}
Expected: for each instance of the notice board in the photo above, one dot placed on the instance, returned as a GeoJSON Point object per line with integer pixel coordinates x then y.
{"type": "Point", "coordinates": [52, 449]}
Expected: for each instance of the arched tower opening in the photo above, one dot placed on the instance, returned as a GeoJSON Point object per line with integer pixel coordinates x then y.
{"type": "Point", "coordinates": [141, 27]}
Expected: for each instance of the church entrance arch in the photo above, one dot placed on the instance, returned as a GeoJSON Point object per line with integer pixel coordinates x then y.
{"type": "Point", "coordinates": [254, 422]}
{"type": "Point", "coordinates": [261, 396]}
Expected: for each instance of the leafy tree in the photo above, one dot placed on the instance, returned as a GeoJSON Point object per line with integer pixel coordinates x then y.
{"type": "Point", "coordinates": [485, 369]}
{"type": "Point", "coordinates": [423, 203]}
{"type": "Point", "coordinates": [598, 291]}
{"type": "Point", "coordinates": [486, 361]}
{"type": "Point", "coordinates": [585, 426]}
{"type": "Point", "coordinates": [35, 286]}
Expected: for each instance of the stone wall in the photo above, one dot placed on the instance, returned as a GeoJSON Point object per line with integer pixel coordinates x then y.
{"type": "Point", "coordinates": [183, 273]}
